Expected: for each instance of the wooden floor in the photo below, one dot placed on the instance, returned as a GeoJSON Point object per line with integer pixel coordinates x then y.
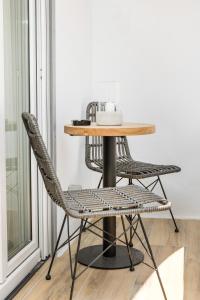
{"type": "Point", "coordinates": [178, 257]}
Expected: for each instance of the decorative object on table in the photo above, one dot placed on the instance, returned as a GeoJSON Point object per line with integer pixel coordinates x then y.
{"type": "Point", "coordinates": [93, 203]}
{"type": "Point", "coordinates": [108, 114]}
{"type": "Point", "coordinates": [126, 166]}
{"type": "Point", "coordinates": [81, 122]}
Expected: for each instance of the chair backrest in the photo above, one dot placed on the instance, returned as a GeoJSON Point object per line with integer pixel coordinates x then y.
{"type": "Point", "coordinates": [44, 162]}
{"type": "Point", "coordinates": [94, 145]}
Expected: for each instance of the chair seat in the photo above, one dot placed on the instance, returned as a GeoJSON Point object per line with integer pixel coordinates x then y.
{"type": "Point", "coordinates": [136, 169]}
{"type": "Point", "coordinates": [104, 202]}
{"type": "Point", "coordinates": [139, 170]}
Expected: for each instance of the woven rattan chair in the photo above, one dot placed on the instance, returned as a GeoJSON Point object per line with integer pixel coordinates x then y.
{"type": "Point", "coordinates": [126, 166]}
{"type": "Point", "coordinates": [93, 203]}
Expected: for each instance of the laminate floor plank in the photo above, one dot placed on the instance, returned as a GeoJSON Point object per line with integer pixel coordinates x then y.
{"type": "Point", "coordinates": [175, 253]}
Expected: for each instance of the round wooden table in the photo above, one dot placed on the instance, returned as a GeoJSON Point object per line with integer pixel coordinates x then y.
{"type": "Point", "coordinates": [116, 256]}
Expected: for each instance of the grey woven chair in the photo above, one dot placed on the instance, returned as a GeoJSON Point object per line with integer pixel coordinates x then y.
{"type": "Point", "coordinates": [126, 166]}
{"type": "Point", "coordinates": [93, 203]}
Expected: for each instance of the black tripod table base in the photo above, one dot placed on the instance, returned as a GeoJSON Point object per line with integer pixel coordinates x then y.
{"type": "Point", "coordinates": [120, 261]}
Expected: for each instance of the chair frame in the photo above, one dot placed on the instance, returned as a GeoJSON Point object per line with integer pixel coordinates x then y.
{"type": "Point", "coordinates": [135, 206]}
{"type": "Point", "coordinates": [93, 160]}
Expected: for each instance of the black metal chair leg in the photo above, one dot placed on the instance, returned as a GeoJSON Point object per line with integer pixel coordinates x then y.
{"type": "Point", "coordinates": [69, 243]}
{"type": "Point", "coordinates": [100, 181]}
{"type": "Point", "coordinates": [127, 245]}
{"type": "Point", "coordinates": [173, 219]}
{"type": "Point", "coordinates": [131, 236]}
{"type": "Point", "coordinates": [76, 260]}
{"type": "Point", "coordinates": [163, 191]}
{"type": "Point", "coordinates": [84, 226]}
{"type": "Point", "coordinates": [152, 256]}
{"type": "Point", "coordinates": [48, 276]}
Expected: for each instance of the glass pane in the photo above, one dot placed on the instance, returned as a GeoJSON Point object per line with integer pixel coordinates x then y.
{"type": "Point", "coordinates": [17, 148]}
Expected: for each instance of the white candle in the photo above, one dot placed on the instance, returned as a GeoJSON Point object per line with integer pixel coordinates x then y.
{"type": "Point", "coordinates": [111, 118]}
{"type": "Point", "coordinates": [110, 107]}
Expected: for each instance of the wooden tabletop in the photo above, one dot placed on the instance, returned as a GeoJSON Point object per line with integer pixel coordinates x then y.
{"type": "Point", "coordinates": [124, 130]}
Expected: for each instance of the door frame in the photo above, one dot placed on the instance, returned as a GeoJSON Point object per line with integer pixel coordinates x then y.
{"type": "Point", "coordinates": [44, 118]}
{"type": "Point", "coordinates": [17, 260]}
{"type": "Point", "coordinates": [13, 271]}
{"type": "Point", "coordinates": [3, 219]}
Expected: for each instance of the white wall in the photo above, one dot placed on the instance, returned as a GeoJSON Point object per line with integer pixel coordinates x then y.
{"type": "Point", "coordinates": [73, 88]}
{"type": "Point", "coordinates": [152, 48]}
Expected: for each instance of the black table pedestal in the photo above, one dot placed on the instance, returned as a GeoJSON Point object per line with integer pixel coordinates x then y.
{"type": "Point", "coordinates": [116, 257]}
{"type": "Point", "coordinates": [119, 261]}
{"type": "Point", "coordinates": [109, 180]}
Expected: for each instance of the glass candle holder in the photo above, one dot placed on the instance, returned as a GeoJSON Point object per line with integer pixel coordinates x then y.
{"type": "Point", "coordinates": [108, 114]}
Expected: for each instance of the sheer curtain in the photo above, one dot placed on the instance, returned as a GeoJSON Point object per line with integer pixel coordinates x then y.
{"type": "Point", "coordinates": [17, 101]}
